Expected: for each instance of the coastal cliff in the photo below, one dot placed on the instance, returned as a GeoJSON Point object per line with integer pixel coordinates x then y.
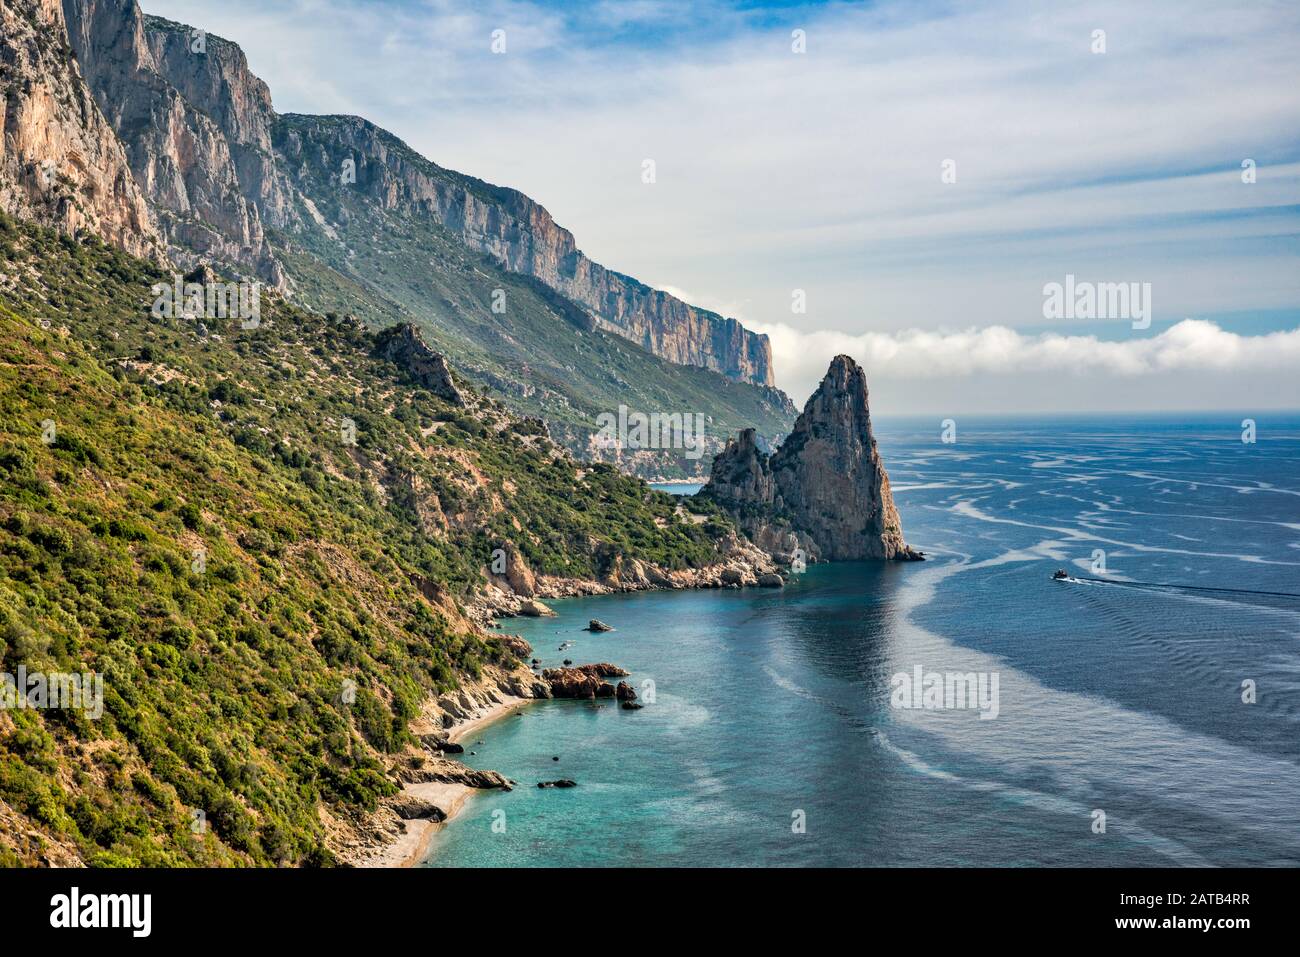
{"type": "Point", "coordinates": [221, 168]}
{"type": "Point", "coordinates": [195, 125]}
{"type": "Point", "coordinates": [825, 489]}
{"type": "Point", "coordinates": [345, 218]}
{"type": "Point", "coordinates": [515, 232]}
{"type": "Point", "coordinates": [60, 162]}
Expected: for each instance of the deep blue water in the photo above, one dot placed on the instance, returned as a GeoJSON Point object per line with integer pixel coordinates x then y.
{"type": "Point", "coordinates": [1117, 698]}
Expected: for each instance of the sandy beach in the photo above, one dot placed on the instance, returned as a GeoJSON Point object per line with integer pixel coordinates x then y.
{"type": "Point", "coordinates": [409, 849]}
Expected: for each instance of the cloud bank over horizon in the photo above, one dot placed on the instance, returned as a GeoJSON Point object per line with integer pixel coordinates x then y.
{"type": "Point", "coordinates": [823, 172]}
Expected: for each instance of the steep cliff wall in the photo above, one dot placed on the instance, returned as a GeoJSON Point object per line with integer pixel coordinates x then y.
{"type": "Point", "coordinates": [826, 486]}
{"type": "Point", "coordinates": [60, 163]}
{"type": "Point", "coordinates": [180, 102]}
{"type": "Point", "coordinates": [519, 234]}
{"type": "Point", "coordinates": [202, 139]}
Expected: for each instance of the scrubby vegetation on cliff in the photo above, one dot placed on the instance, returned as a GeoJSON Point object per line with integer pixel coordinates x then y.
{"type": "Point", "coordinates": [235, 526]}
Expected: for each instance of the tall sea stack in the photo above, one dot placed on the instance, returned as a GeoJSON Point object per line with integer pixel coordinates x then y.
{"type": "Point", "coordinates": [825, 489]}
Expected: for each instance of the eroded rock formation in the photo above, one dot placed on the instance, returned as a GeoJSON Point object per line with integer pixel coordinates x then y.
{"type": "Point", "coordinates": [825, 489]}
{"type": "Point", "coordinates": [404, 346]}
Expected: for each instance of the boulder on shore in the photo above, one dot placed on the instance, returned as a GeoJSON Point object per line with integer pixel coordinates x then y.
{"type": "Point", "coordinates": [532, 608]}
{"type": "Point", "coordinates": [410, 807]}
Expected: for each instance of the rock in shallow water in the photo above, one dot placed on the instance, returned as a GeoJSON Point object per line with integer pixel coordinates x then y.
{"type": "Point", "coordinates": [561, 783]}
{"type": "Point", "coordinates": [597, 625]}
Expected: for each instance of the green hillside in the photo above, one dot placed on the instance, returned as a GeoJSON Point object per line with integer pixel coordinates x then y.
{"type": "Point", "coordinates": [183, 509]}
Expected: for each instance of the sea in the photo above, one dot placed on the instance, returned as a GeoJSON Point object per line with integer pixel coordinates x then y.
{"type": "Point", "coordinates": [966, 710]}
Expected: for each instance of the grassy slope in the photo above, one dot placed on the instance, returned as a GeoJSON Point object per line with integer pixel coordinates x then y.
{"type": "Point", "coordinates": [385, 265]}
{"type": "Point", "coordinates": [223, 680]}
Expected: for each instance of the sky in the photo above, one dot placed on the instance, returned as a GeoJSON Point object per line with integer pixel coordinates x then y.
{"type": "Point", "coordinates": [914, 179]}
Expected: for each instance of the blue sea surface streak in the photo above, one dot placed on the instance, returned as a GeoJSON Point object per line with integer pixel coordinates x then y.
{"type": "Point", "coordinates": [772, 708]}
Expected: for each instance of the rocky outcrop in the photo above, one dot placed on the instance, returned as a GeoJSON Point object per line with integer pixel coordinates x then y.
{"type": "Point", "coordinates": [403, 346]}
{"type": "Point", "coordinates": [447, 771]}
{"type": "Point", "coordinates": [596, 625]}
{"type": "Point", "coordinates": [532, 608]}
{"type": "Point", "coordinates": [516, 575]}
{"type": "Point", "coordinates": [414, 807]}
{"type": "Point", "coordinates": [742, 563]}
{"type": "Point", "coordinates": [624, 692]}
{"type": "Point", "coordinates": [604, 669]}
{"type": "Point", "coordinates": [576, 683]}
{"type": "Point", "coordinates": [196, 127]}
{"type": "Point", "coordinates": [60, 163]}
{"type": "Point", "coordinates": [825, 489]}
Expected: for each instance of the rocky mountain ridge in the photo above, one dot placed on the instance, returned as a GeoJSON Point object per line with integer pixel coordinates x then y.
{"type": "Point", "coordinates": [220, 167]}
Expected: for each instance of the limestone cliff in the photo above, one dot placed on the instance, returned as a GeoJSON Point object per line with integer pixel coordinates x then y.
{"type": "Point", "coordinates": [219, 166]}
{"type": "Point", "coordinates": [517, 233]}
{"type": "Point", "coordinates": [195, 123]}
{"type": "Point", "coordinates": [60, 163]}
{"type": "Point", "coordinates": [825, 489]}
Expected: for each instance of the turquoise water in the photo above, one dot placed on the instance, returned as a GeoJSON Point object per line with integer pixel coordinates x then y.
{"type": "Point", "coordinates": [677, 488]}
{"type": "Point", "coordinates": [772, 708]}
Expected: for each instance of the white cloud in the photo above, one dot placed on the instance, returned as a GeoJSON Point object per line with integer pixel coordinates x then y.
{"type": "Point", "coordinates": [1188, 350]}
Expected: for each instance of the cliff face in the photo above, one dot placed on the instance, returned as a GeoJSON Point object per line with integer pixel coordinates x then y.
{"type": "Point", "coordinates": [217, 163]}
{"type": "Point", "coordinates": [517, 233]}
{"type": "Point", "coordinates": [193, 119]}
{"type": "Point", "coordinates": [825, 487]}
{"type": "Point", "coordinates": [346, 218]}
{"type": "Point", "coordinates": [60, 163]}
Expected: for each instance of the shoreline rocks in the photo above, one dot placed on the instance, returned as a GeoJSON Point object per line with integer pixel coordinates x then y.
{"type": "Point", "coordinates": [577, 683]}
{"type": "Point", "coordinates": [604, 669]}
{"type": "Point", "coordinates": [532, 608]}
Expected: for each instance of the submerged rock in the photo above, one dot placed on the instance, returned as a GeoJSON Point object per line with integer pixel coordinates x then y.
{"type": "Point", "coordinates": [561, 783]}
{"type": "Point", "coordinates": [631, 706]}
